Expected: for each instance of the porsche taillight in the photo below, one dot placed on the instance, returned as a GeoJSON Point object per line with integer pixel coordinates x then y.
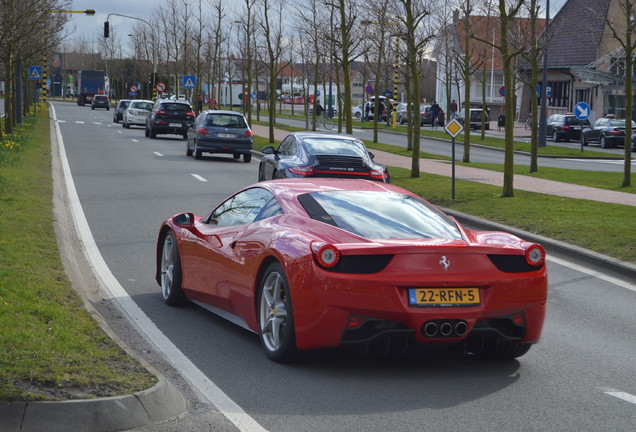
{"type": "Point", "coordinates": [327, 255]}
{"type": "Point", "coordinates": [535, 255]}
{"type": "Point", "coordinates": [303, 171]}
{"type": "Point", "coordinates": [248, 133]}
{"type": "Point", "coordinates": [202, 131]}
{"type": "Point", "coordinates": [378, 174]}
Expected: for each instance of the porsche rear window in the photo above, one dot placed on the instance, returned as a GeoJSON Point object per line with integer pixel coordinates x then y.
{"type": "Point", "coordinates": [380, 215]}
{"type": "Point", "coordinates": [330, 146]}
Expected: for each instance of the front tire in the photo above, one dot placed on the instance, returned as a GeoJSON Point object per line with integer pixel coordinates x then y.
{"type": "Point", "coordinates": [171, 275]}
{"type": "Point", "coordinates": [555, 136]}
{"type": "Point", "coordinates": [603, 142]}
{"type": "Point", "coordinates": [275, 315]}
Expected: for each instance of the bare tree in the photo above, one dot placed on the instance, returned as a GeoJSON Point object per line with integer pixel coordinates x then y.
{"type": "Point", "coordinates": [272, 26]}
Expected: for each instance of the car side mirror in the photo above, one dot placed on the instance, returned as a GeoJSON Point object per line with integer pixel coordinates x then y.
{"type": "Point", "coordinates": [371, 155]}
{"type": "Point", "coordinates": [184, 220]}
{"type": "Point", "coordinates": [269, 150]}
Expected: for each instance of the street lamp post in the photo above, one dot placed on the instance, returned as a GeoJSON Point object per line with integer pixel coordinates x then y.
{"type": "Point", "coordinates": [543, 121]}
{"type": "Point", "coordinates": [44, 58]}
{"type": "Point", "coordinates": [154, 51]}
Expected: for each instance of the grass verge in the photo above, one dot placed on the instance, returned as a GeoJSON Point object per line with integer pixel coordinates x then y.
{"type": "Point", "coordinates": [51, 348]}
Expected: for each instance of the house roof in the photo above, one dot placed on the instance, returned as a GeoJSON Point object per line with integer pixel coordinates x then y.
{"type": "Point", "coordinates": [576, 32]}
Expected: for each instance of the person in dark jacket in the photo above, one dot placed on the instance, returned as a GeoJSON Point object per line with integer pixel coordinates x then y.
{"type": "Point", "coordinates": [435, 109]}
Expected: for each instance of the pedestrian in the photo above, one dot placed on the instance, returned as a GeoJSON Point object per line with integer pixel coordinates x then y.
{"type": "Point", "coordinates": [367, 110]}
{"type": "Point", "coordinates": [453, 109]}
{"type": "Point", "coordinates": [319, 108]}
{"type": "Point", "coordinates": [200, 103]}
{"type": "Point", "coordinates": [434, 114]}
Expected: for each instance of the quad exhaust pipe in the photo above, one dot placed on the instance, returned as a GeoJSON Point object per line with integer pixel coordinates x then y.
{"type": "Point", "coordinates": [444, 328]}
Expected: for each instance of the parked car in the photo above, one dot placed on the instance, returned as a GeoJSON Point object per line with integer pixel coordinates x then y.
{"type": "Point", "coordinates": [634, 142]}
{"type": "Point", "coordinates": [137, 112]}
{"type": "Point", "coordinates": [357, 111]}
{"type": "Point", "coordinates": [426, 116]}
{"type": "Point", "coordinates": [401, 114]}
{"type": "Point", "coordinates": [312, 154]}
{"type": "Point", "coordinates": [170, 116]}
{"type": "Point", "coordinates": [475, 118]}
{"type": "Point", "coordinates": [565, 127]}
{"type": "Point", "coordinates": [217, 131]}
{"type": "Point", "coordinates": [118, 112]}
{"type": "Point", "coordinates": [100, 101]}
{"type": "Point", "coordinates": [326, 262]}
{"type": "Point", "coordinates": [608, 132]}
{"type": "Point", "coordinates": [369, 108]}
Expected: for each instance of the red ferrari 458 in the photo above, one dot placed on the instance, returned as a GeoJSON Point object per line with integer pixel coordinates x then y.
{"type": "Point", "coordinates": [315, 263]}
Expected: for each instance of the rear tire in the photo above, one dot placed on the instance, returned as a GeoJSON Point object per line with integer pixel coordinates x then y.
{"type": "Point", "coordinates": [153, 134]}
{"type": "Point", "coordinates": [275, 315]}
{"type": "Point", "coordinates": [188, 150]}
{"type": "Point", "coordinates": [504, 351]}
{"type": "Point", "coordinates": [171, 275]}
{"type": "Point", "coordinates": [555, 136]}
{"type": "Point", "coordinates": [247, 157]}
{"type": "Point", "coordinates": [603, 142]}
{"type": "Point", "coordinates": [197, 153]}
{"type": "Point", "coordinates": [147, 132]}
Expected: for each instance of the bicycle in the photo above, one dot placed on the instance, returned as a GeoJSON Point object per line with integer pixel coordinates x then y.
{"type": "Point", "coordinates": [327, 122]}
{"type": "Point", "coordinates": [528, 123]}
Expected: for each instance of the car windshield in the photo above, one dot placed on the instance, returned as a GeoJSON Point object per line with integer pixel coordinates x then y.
{"type": "Point", "coordinates": [142, 105]}
{"type": "Point", "coordinates": [176, 107]}
{"type": "Point", "coordinates": [225, 120]}
{"type": "Point", "coordinates": [571, 121]}
{"type": "Point", "coordinates": [620, 123]}
{"type": "Point", "coordinates": [330, 146]}
{"type": "Point", "coordinates": [380, 215]}
{"type": "Point", "coordinates": [124, 104]}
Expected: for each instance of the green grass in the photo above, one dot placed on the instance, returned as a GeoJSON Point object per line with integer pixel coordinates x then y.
{"type": "Point", "coordinates": [50, 346]}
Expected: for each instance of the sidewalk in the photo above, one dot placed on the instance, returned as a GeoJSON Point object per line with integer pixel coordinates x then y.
{"type": "Point", "coordinates": [521, 182]}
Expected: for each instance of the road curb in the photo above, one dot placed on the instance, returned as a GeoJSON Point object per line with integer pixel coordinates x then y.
{"type": "Point", "coordinates": [158, 403]}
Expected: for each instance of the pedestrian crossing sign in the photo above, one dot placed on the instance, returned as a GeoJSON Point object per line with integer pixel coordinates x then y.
{"type": "Point", "coordinates": [35, 72]}
{"type": "Point", "coordinates": [189, 81]}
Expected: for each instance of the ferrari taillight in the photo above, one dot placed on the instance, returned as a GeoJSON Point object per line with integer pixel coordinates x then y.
{"type": "Point", "coordinates": [303, 171]}
{"type": "Point", "coordinates": [535, 255]}
{"type": "Point", "coordinates": [327, 255]}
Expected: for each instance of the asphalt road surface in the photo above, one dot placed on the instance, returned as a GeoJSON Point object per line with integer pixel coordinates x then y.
{"type": "Point", "coordinates": [580, 377]}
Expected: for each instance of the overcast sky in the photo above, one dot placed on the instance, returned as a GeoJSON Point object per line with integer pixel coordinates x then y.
{"type": "Point", "coordinates": [92, 26]}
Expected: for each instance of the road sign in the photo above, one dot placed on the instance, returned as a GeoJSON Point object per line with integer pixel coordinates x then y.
{"type": "Point", "coordinates": [134, 88]}
{"type": "Point", "coordinates": [453, 128]}
{"type": "Point", "coordinates": [502, 91]}
{"type": "Point", "coordinates": [369, 89]}
{"type": "Point", "coordinates": [160, 86]}
{"type": "Point", "coordinates": [548, 91]}
{"type": "Point", "coordinates": [582, 110]}
{"type": "Point", "coordinates": [189, 81]}
{"type": "Point", "coordinates": [35, 72]}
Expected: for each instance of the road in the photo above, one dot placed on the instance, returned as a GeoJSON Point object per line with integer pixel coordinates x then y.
{"type": "Point", "coordinates": [580, 377]}
{"type": "Point", "coordinates": [486, 155]}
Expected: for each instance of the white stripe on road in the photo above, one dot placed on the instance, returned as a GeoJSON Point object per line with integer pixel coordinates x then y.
{"type": "Point", "coordinates": [97, 123]}
{"type": "Point", "coordinates": [596, 274]}
{"type": "Point", "coordinates": [134, 140]}
{"type": "Point", "coordinates": [119, 132]}
{"type": "Point", "coordinates": [198, 177]}
{"type": "Point", "coordinates": [158, 154]}
{"type": "Point", "coordinates": [622, 395]}
{"type": "Point", "coordinates": [230, 409]}
{"type": "Point", "coordinates": [61, 121]}
{"type": "Point", "coordinates": [79, 122]}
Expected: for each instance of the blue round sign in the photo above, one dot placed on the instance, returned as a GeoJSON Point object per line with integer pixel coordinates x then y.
{"type": "Point", "coordinates": [582, 110]}
{"type": "Point", "coordinates": [369, 89]}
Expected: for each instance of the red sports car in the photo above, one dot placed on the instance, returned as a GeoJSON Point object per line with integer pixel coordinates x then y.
{"type": "Point", "coordinates": [315, 263]}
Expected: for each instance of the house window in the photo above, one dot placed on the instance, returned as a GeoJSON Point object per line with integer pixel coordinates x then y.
{"type": "Point", "coordinates": [560, 93]}
{"type": "Point", "coordinates": [582, 95]}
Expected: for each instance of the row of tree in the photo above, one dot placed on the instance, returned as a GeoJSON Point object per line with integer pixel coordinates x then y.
{"type": "Point", "coordinates": [253, 40]}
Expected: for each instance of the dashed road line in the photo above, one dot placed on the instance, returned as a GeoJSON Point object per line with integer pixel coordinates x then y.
{"type": "Point", "coordinates": [198, 177]}
{"type": "Point", "coordinates": [623, 396]}
{"type": "Point", "coordinates": [134, 140]}
{"type": "Point", "coordinates": [158, 154]}
{"type": "Point", "coordinates": [80, 122]}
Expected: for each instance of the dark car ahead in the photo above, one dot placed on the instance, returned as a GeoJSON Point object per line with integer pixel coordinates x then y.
{"type": "Point", "coordinates": [565, 127]}
{"type": "Point", "coordinates": [216, 131]}
{"type": "Point", "coordinates": [426, 116]}
{"type": "Point", "coordinates": [100, 101]}
{"type": "Point", "coordinates": [608, 132]}
{"type": "Point", "coordinates": [311, 154]}
{"type": "Point", "coordinates": [118, 113]}
{"type": "Point", "coordinates": [170, 116]}
{"type": "Point", "coordinates": [475, 118]}
{"type": "Point", "coordinates": [634, 142]}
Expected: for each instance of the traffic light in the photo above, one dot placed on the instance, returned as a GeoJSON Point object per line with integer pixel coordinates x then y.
{"type": "Point", "coordinates": [89, 11]}
{"type": "Point", "coordinates": [106, 29]}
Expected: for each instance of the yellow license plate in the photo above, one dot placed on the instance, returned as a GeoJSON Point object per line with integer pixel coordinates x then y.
{"type": "Point", "coordinates": [444, 296]}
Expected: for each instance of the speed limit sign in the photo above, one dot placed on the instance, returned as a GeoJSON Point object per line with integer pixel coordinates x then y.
{"type": "Point", "coordinates": [161, 87]}
{"type": "Point", "coordinates": [133, 88]}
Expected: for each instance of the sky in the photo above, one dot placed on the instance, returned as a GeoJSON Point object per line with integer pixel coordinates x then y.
{"type": "Point", "coordinates": [92, 26]}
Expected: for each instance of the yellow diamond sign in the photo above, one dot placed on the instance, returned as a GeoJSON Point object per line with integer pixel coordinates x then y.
{"type": "Point", "coordinates": [453, 128]}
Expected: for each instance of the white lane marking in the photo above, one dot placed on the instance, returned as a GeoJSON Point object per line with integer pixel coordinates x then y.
{"type": "Point", "coordinates": [136, 316]}
{"type": "Point", "coordinates": [79, 122]}
{"type": "Point", "coordinates": [134, 140]}
{"type": "Point", "coordinates": [97, 123]}
{"type": "Point", "coordinates": [596, 274]}
{"type": "Point", "coordinates": [622, 395]}
{"type": "Point", "coordinates": [605, 161]}
{"type": "Point", "coordinates": [198, 177]}
{"type": "Point", "coordinates": [158, 154]}
{"type": "Point", "coordinates": [61, 121]}
{"type": "Point", "coordinates": [119, 132]}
